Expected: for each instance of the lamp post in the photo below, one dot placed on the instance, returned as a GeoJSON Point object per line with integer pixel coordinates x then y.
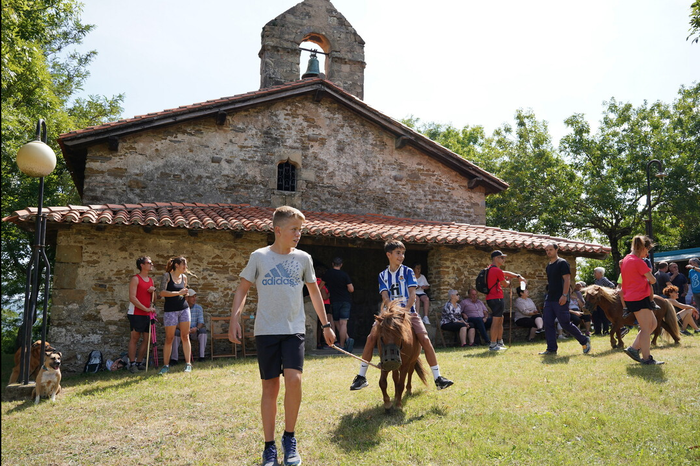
{"type": "Point", "coordinates": [35, 159]}
{"type": "Point", "coordinates": [659, 174]}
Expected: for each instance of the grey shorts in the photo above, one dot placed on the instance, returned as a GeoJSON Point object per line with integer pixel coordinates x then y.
{"type": "Point", "coordinates": [173, 318]}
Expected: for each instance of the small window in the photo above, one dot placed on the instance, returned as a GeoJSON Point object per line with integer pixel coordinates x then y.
{"type": "Point", "coordinates": [286, 177]}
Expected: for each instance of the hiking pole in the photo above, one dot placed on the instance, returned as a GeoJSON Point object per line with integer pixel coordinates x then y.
{"type": "Point", "coordinates": [155, 340]}
{"type": "Point", "coordinates": [148, 346]}
{"type": "Point", "coordinates": [356, 357]}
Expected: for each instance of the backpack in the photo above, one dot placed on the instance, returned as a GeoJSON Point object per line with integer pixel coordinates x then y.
{"type": "Point", "coordinates": [482, 280]}
{"type": "Point", "coordinates": [94, 362]}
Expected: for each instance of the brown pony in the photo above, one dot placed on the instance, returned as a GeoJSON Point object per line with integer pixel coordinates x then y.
{"type": "Point", "coordinates": [609, 301]}
{"type": "Point", "coordinates": [399, 350]}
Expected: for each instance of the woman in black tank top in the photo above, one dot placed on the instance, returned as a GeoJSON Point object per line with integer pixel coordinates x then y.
{"type": "Point", "coordinates": [174, 290]}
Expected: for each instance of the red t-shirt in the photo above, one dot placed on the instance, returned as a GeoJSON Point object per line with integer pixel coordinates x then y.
{"type": "Point", "coordinates": [143, 295]}
{"type": "Point", "coordinates": [318, 282]}
{"type": "Point", "coordinates": [635, 285]}
{"type": "Point", "coordinates": [493, 281]}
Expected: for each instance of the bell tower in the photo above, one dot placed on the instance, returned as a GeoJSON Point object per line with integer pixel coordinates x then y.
{"type": "Point", "coordinates": [319, 22]}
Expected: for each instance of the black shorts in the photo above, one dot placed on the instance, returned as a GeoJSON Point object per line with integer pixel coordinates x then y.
{"type": "Point", "coordinates": [139, 323]}
{"type": "Point", "coordinates": [636, 306]}
{"type": "Point", "coordinates": [527, 322]}
{"type": "Point", "coordinates": [496, 306]}
{"type": "Point", "coordinates": [279, 352]}
{"type": "Point", "coordinates": [453, 326]}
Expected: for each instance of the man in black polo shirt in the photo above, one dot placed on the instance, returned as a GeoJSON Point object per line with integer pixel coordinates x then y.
{"type": "Point", "coordinates": [556, 303]}
{"type": "Point", "coordinates": [340, 286]}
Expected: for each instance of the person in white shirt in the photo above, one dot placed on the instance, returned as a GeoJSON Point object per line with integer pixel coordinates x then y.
{"type": "Point", "coordinates": [421, 296]}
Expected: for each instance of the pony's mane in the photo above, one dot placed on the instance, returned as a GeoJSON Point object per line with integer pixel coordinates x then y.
{"type": "Point", "coordinates": [396, 321]}
{"type": "Point", "coordinates": [604, 292]}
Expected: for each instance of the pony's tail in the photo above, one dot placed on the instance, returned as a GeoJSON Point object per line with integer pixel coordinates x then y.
{"type": "Point", "coordinates": [672, 321]}
{"type": "Point", "coordinates": [420, 371]}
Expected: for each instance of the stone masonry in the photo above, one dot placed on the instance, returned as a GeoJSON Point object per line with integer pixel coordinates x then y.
{"type": "Point", "coordinates": [94, 264]}
{"type": "Point", "coordinates": [91, 286]}
{"type": "Point", "coordinates": [344, 164]}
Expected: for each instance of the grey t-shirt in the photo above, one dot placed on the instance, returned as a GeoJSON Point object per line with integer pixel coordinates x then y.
{"type": "Point", "coordinates": [280, 280]}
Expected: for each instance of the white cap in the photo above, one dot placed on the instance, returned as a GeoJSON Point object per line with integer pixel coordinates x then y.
{"type": "Point", "coordinates": [191, 292]}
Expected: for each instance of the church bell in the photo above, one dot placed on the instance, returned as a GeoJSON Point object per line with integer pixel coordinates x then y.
{"type": "Point", "coordinates": [312, 70]}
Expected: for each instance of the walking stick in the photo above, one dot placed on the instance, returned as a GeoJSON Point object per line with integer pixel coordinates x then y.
{"type": "Point", "coordinates": [356, 357]}
{"type": "Point", "coordinates": [510, 323]}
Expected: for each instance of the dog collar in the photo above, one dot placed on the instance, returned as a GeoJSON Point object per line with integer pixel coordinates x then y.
{"type": "Point", "coordinates": [46, 368]}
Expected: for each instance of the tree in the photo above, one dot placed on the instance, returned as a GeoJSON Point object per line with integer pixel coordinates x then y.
{"type": "Point", "coordinates": [522, 155]}
{"type": "Point", "coordinates": [542, 185]}
{"type": "Point", "coordinates": [694, 22]}
{"type": "Point", "coordinates": [40, 77]}
{"type": "Point", "coordinates": [593, 186]}
{"type": "Point", "coordinates": [613, 169]}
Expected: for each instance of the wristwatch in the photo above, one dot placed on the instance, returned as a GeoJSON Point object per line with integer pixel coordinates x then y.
{"type": "Point", "coordinates": [328, 325]}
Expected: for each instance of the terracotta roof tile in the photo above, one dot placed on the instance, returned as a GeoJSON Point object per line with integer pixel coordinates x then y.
{"type": "Point", "coordinates": [248, 218]}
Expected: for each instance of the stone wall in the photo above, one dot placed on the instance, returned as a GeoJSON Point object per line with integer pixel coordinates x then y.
{"type": "Point", "coordinates": [344, 164]}
{"type": "Point", "coordinates": [90, 292]}
{"type": "Point", "coordinates": [455, 267]}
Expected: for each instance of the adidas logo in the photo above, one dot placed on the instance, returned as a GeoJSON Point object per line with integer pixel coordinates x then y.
{"type": "Point", "coordinates": [279, 276]}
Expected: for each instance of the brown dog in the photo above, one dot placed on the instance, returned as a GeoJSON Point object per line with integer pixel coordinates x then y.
{"type": "Point", "coordinates": [34, 360]}
{"type": "Point", "coordinates": [48, 382]}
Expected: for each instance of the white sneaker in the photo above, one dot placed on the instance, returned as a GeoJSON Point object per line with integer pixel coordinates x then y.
{"type": "Point", "coordinates": [426, 321]}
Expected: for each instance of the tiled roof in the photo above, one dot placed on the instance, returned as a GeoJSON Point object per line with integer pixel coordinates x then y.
{"type": "Point", "coordinates": [195, 216]}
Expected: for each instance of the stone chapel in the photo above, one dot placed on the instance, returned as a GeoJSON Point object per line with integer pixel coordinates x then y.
{"type": "Point", "coordinates": [202, 180]}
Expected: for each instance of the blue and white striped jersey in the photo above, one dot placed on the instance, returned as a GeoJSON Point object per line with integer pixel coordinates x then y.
{"type": "Point", "coordinates": [397, 283]}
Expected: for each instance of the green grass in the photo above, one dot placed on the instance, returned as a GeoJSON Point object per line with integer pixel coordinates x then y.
{"type": "Point", "coordinates": [514, 408]}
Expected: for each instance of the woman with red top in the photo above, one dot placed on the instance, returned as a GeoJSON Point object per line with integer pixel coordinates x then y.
{"type": "Point", "coordinates": [636, 281]}
{"type": "Point", "coordinates": [326, 304]}
{"type": "Point", "coordinates": [141, 290]}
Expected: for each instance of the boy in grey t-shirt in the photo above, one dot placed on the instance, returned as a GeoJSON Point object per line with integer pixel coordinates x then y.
{"type": "Point", "coordinates": [279, 272]}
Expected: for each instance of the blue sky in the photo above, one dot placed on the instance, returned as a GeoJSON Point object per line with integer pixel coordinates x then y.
{"type": "Point", "coordinates": [458, 62]}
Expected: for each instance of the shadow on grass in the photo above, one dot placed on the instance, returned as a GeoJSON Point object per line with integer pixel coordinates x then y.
{"type": "Point", "coordinates": [24, 405]}
{"type": "Point", "coordinates": [607, 352]}
{"type": "Point", "coordinates": [649, 373]}
{"type": "Point", "coordinates": [362, 431]}
{"type": "Point", "coordinates": [483, 354]}
{"type": "Point", "coordinates": [555, 359]}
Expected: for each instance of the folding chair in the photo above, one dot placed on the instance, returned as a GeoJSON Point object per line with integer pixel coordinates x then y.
{"type": "Point", "coordinates": [218, 330]}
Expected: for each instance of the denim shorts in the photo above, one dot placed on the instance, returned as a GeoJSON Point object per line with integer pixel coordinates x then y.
{"type": "Point", "coordinates": [341, 310]}
{"type": "Point", "coordinates": [173, 318]}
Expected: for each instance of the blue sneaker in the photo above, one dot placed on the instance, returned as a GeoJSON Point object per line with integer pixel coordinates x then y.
{"type": "Point", "coordinates": [269, 457]}
{"type": "Point", "coordinates": [289, 447]}
{"type": "Point", "coordinates": [164, 370]}
{"type": "Point", "coordinates": [349, 345]}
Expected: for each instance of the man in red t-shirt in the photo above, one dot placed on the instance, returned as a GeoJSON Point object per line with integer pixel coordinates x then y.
{"type": "Point", "coordinates": [495, 279]}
